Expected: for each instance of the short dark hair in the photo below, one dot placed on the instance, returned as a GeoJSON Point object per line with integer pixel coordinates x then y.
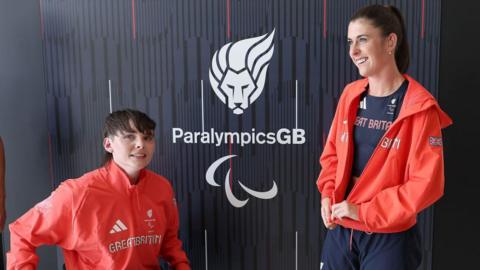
{"type": "Point", "coordinates": [389, 20]}
{"type": "Point", "coordinates": [119, 121]}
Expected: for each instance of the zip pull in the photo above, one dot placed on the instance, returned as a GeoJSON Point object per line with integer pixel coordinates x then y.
{"type": "Point", "coordinates": [351, 239]}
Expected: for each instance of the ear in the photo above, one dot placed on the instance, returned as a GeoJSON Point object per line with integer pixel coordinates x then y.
{"type": "Point", "coordinates": [107, 144]}
{"type": "Point", "coordinates": [392, 40]}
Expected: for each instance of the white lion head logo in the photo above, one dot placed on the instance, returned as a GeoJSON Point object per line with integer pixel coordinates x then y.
{"type": "Point", "coordinates": [238, 71]}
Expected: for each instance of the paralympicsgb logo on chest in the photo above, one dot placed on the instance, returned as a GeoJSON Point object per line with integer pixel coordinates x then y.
{"type": "Point", "coordinates": [238, 71]}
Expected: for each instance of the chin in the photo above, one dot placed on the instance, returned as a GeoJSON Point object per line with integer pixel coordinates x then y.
{"type": "Point", "coordinates": [138, 165]}
{"type": "Point", "coordinates": [364, 73]}
{"type": "Point", "coordinates": [143, 164]}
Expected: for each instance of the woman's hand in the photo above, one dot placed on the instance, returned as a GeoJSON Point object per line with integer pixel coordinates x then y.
{"type": "Point", "coordinates": [327, 214]}
{"type": "Point", "coordinates": [345, 209]}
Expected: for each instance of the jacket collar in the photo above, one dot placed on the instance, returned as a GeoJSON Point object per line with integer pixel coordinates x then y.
{"type": "Point", "coordinates": [416, 99]}
{"type": "Point", "coordinates": [118, 179]}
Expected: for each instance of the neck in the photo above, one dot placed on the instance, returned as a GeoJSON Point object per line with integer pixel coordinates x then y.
{"type": "Point", "coordinates": [133, 178]}
{"type": "Point", "coordinates": [132, 175]}
{"type": "Point", "coordinates": [385, 83]}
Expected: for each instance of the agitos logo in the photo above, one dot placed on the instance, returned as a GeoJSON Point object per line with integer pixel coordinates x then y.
{"type": "Point", "coordinates": [238, 71]}
{"type": "Point", "coordinates": [209, 175]}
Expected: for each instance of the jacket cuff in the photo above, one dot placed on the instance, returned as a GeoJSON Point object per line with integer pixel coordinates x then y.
{"type": "Point", "coordinates": [362, 214]}
{"type": "Point", "coordinates": [182, 266]}
{"type": "Point", "coordinates": [327, 191]}
{"type": "Point", "coordinates": [326, 196]}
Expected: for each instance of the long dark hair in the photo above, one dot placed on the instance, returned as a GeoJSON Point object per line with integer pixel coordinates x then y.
{"type": "Point", "coordinates": [119, 121]}
{"type": "Point", "coordinates": [389, 20]}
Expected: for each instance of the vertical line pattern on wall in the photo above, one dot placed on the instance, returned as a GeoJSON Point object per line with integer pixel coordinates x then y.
{"type": "Point", "coordinates": [324, 18]}
{"type": "Point", "coordinates": [423, 19]}
{"type": "Point", "coordinates": [134, 21]}
{"type": "Point", "coordinates": [296, 103]}
{"type": "Point", "coordinates": [50, 162]}
{"type": "Point", "coordinates": [203, 114]}
{"type": "Point", "coordinates": [110, 95]}
{"type": "Point", "coordinates": [206, 251]}
{"type": "Point", "coordinates": [228, 19]}
{"type": "Point", "coordinates": [42, 31]}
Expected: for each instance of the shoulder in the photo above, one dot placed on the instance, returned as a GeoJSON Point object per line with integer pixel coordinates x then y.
{"type": "Point", "coordinates": [63, 198]}
{"type": "Point", "coordinates": [83, 182]}
{"type": "Point", "coordinates": [417, 93]}
{"type": "Point", "coordinates": [419, 99]}
{"type": "Point", "coordinates": [158, 182]}
{"type": "Point", "coordinates": [74, 191]}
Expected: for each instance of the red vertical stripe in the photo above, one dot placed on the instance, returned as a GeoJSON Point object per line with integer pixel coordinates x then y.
{"type": "Point", "coordinates": [228, 19]}
{"type": "Point", "coordinates": [324, 18]}
{"type": "Point", "coordinates": [423, 19]}
{"type": "Point", "coordinates": [134, 21]}
{"type": "Point", "coordinates": [41, 19]}
{"type": "Point", "coordinates": [324, 139]}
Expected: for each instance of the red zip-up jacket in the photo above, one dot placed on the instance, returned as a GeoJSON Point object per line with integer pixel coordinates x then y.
{"type": "Point", "coordinates": [405, 172]}
{"type": "Point", "coordinates": [101, 221]}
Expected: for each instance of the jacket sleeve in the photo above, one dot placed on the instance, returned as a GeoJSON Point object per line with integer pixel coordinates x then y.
{"type": "Point", "coordinates": [329, 160]}
{"type": "Point", "coordinates": [394, 206]}
{"type": "Point", "coordinates": [171, 249]}
{"type": "Point", "coordinates": [47, 223]}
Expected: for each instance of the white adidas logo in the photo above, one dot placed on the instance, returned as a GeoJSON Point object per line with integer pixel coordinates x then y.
{"type": "Point", "coordinates": [118, 227]}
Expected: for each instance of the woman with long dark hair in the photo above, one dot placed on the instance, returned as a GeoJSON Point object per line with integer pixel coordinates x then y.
{"type": "Point", "coordinates": [383, 160]}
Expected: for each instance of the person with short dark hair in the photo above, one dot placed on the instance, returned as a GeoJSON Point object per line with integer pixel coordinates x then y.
{"type": "Point", "coordinates": [383, 160]}
{"type": "Point", "coordinates": [120, 216]}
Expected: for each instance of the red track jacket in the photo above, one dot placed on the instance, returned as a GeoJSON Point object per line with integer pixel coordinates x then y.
{"type": "Point", "coordinates": [405, 172]}
{"type": "Point", "coordinates": [101, 221]}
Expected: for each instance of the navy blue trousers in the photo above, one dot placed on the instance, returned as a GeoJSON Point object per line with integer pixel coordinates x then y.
{"type": "Point", "coordinates": [345, 249]}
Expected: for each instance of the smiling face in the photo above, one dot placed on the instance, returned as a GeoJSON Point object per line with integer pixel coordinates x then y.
{"type": "Point", "coordinates": [131, 150]}
{"type": "Point", "coordinates": [369, 50]}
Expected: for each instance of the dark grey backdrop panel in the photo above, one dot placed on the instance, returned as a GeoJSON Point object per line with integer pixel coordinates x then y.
{"type": "Point", "coordinates": [458, 70]}
{"type": "Point", "coordinates": [23, 116]}
{"type": "Point", "coordinates": [156, 56]}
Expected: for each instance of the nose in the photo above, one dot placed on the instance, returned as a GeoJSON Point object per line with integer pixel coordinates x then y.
{"type": "Point", "coordinates": [237, 96]}
{"type": "Point", "coordinates": [353, 50]}
{"type": "Point", "coordinates": [139, 143]}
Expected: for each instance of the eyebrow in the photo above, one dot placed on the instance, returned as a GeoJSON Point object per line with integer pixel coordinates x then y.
{"type": "Point", "coordinates": [146, 132]}
{"type": "Point", "coordinates": [359, 36]}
